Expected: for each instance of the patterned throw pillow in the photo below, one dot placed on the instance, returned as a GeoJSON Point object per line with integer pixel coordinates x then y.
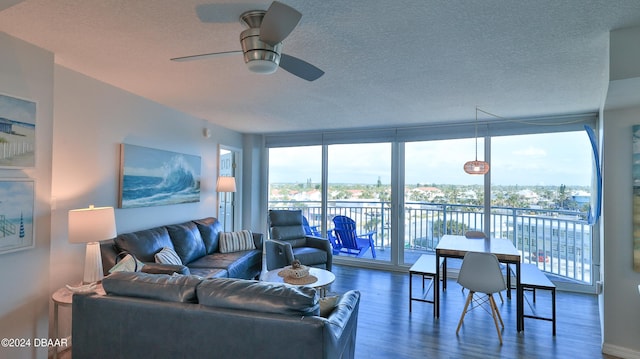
{"type": "Point", "coordinates": [127, 264]}
{"type": "Point", "coordinates": [168, 256]}
{"type": "Point", "coordinates": [236, 241]}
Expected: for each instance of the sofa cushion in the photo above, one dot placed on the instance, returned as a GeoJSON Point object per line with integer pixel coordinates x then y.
{"type": "Point", "coordinates": [251, 295]}
{"type": "Point", "coordinates": [236, 241]}
{"type": "Point", "coordinates": [164, 287]}
{"type": "Point", "coordinates": [187, 241]}
{"type": "Point", "coordinates": [144, 244]}
{"type": "Point", "coordinates": [209, 229]}
{"type": "Point", "coordinates": [243, 264]}
{"type": "Point", "coordinates": [168, 256]}
{"type": "Point", "coordinates": [209, 272]}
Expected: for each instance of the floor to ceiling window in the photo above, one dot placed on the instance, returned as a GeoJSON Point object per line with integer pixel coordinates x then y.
{"type": "Point", "coordinates": [295, 181]}
{"type": "Point", "coordinates": [408, 187]}
{"type": "Point", "coordinates": [540, 199]}
{"type": "Point", "coordinates": [439, 197]}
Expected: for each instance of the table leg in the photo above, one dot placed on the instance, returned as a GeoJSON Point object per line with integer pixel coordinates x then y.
{"type": "Point", "coordinates": [519, 300]}
{"type": "Point", "coordinates": [444, 274]}
{"type": "Point", "coordinates": [508, 282]}
{"type": "Point", "coordinates": [55, 329]}
{"type": "Point", "coordinates": [436, 288]}
{"type": "Point", "coordinates": [410, 290]}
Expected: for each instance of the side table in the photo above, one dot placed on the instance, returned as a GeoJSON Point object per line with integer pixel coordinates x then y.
{"type": "Point", "coordinates": [64, 297]}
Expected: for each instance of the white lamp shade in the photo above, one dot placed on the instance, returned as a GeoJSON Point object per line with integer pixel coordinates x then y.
{"type": "Point", "coordinates": [91, 224]}
{"type": "Point", "coordinates": [226, 184]}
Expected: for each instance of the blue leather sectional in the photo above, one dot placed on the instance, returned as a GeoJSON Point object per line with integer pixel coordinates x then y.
{"type": "Point", "coordinates": [195, 242]}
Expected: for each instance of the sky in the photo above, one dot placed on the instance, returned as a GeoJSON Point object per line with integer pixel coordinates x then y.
{"type": "Point", "coordinates": [546, 159]}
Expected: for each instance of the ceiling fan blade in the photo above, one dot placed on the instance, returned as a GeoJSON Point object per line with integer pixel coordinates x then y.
{"type": "Point", "coordinates": [278, 23]}
{"type": "Point", "coordinates": [300, 68]}
{"type": "Point", "coordinates": [205, 56]}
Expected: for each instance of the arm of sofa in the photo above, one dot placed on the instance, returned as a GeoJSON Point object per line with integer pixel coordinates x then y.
{"type": "Point", "coordinates": [257, 240]}
{"type": "Point", "coordinates": [324, 244]}
{"type": "Point", "coordinates": [278, 254]}
{"type": "Point", "coordinates": [343, 321]}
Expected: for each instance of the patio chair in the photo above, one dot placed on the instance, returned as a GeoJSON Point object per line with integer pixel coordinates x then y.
{"type": "Point", "coordinates": [335, 242]}
{"type": "Point", "coordinates": [348, 241]}
{"type": "Point", "coordinates": [310, 230]}
{"type": "Point", "coordinates": [480, 273]}
{"type": "Point", "coordinates": [288, 241]}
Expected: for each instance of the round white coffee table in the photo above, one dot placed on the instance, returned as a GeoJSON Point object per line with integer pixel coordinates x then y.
{"type": "Point", "coordinates": [325, 278]}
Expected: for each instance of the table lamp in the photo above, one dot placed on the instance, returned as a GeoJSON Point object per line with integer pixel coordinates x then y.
{"type": "Point", "coordinates": [91, 225]}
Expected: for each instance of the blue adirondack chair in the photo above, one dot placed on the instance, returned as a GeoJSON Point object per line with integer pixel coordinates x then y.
{"type": "Point", "coordinates": [349, 241]}
{"type": "Point", "coordinates": [310, 230]}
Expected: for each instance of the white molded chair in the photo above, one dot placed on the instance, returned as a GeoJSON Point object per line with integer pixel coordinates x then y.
{"type": "Point", "coordinates": [482, 235]}
{"type": "Point", "coordinates": [480, 273]}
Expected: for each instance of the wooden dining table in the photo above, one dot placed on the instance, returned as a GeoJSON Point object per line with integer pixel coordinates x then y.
{"type": "Point", "coordinates": [456, 246]}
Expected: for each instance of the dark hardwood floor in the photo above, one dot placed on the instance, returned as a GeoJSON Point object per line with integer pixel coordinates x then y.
{"type": "Point", "coordinates": [386, 329]}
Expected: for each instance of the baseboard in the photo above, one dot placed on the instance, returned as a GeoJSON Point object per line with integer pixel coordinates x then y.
{"type": "Point", "coordinates": [620, 352]}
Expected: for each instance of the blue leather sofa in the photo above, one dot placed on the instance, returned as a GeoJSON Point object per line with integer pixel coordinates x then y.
{"type": "Point", "coordinates": [171, 316]}
{"type": "Point", "coordinates": [196, 243]}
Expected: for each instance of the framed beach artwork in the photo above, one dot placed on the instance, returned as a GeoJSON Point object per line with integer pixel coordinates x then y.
{"type": "Point", "coordinates": [17, 132]}
{"type": "Point", "coordinates": [152, 177]}
{"type": "Point", "coordinates": [636, 198]}
{"type": "Point", "coordinates": [17, 199]}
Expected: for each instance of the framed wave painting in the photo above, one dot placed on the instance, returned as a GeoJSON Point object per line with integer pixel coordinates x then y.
{"type": "Point", "coordinates": [152, 177]}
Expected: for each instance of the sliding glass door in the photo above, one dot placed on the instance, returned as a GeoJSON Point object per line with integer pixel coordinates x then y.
{"type": "Point", "coordinates": [359, 187]}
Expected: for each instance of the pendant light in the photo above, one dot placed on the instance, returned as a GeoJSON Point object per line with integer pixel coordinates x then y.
{"type": "Point", "coordinates": [476, 167]}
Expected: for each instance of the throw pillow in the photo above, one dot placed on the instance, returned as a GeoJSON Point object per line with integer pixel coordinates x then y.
{"type": "Point", "coordinates": [327, 305]}
{"type": "Point", "coordinates": [236, 241]}
{"type": "Point", "coordinates": [168, 256]}
{"type": "Point", "coordinates": [127, 264]}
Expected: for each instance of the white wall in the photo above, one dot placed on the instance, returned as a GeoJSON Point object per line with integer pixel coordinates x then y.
{"type": "Point", "coordinates": [621, 297]}
{"type": "Point", "coordinates": [91, 120]}
{"type": "Point", "coordinates": [27, 72]}
{"type": "Point", "coordinates": [620, 301]}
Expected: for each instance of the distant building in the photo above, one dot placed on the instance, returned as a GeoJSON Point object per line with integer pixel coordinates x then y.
{"type": "Point", "coordinates": [581, 197]}
{"type": "Point", "coordinates": [6, 126]}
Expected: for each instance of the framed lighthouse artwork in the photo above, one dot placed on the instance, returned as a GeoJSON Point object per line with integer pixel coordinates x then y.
{"type": "Point", "coordinates": [17, 199]}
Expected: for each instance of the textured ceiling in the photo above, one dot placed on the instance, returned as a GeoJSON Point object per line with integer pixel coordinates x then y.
{"type": "Point", "coordinates": [387, 63]}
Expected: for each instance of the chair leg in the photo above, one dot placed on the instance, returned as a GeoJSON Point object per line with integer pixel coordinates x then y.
{"type": "Point", "coordinates": [498, 313]}
{"type": "Point", "coordinates": [501, 299]}
{"type": "Point", "coordinates": [494, 312]}
{"type": "Point", "coordinates": [464, 311]}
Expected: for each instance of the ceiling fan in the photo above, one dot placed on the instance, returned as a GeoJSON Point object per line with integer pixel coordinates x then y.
{"type": "Point", "coordinates": [262, 43]}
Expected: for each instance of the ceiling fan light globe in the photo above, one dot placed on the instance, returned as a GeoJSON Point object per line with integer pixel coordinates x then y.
{"type": "Point", "coordinates": [264, 67]}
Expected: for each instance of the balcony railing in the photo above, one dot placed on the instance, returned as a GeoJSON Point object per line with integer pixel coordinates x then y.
{"type": "Point", "coordinates": [558, 241]}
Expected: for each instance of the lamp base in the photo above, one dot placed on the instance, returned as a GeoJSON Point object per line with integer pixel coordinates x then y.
{"type": "Point", "coordinates": [93, 264]}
